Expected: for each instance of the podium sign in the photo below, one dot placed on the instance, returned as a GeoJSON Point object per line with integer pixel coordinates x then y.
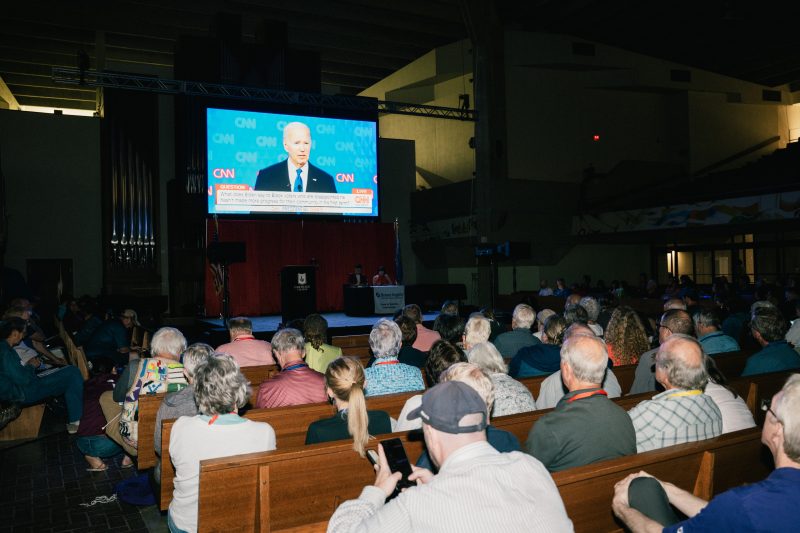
{"type": "Point", "coordinates": [388, 299]}
{"type": "Point", "coordinates": [298, 291]}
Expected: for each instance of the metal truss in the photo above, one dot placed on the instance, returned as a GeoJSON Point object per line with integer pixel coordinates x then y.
{"type": "Point", "coordinates": [74, 76]}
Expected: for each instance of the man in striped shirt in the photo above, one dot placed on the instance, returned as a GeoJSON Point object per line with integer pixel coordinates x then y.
{"type": "Point", "coordinates": [682, 413]}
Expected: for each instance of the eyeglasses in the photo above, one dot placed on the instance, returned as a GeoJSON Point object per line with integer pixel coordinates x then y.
{"type": "Point", "coordinates": [665, 327]}
{"type": "Point", "coordinates": [766, 406]}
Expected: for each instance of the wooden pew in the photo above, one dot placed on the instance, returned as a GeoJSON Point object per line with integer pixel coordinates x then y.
{"type": "Point", "coordinates": [755, 389]}
{"type": "Point", "coordinates": [290, 425]}
{"type": "Point", "coordinates": [257, 375]}
{"type": "Point", "coordinates": [25, 426]}
{"type": "Point", "coordinates": [148, 407]}
{"type": "Point", "coordinates": [704, 468]}
{"type": "Point", "coordinates": [281, 489]}
{"type": "Point", "coordinates": [349, 341]}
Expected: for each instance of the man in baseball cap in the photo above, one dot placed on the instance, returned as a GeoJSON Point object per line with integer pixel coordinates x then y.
{"type": "Point", "coordinates": [477, 487]}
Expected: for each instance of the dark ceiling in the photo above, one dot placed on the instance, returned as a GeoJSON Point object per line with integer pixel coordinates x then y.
{"type": "Point", "coordinates": [362, 41]}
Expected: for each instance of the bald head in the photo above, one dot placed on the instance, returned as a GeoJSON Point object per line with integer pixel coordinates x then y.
{"type": "Point", "coordinates": [573, 299]}
{"type": "Point", "coordinates": [584, 360]}
{"type": "Point", "coordinates": [674, 303]}
{"type": "Point", "coordinates": [578, 329]}
{"type": "Point", "coordinates": [680, 363]}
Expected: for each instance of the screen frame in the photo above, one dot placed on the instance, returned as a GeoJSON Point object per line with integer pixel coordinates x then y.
{"type": "Point", "coordinates": [300, 112]}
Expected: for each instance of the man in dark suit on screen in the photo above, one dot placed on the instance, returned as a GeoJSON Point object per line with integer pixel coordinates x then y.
{"type": "Point", "coordinates": [295, 174]}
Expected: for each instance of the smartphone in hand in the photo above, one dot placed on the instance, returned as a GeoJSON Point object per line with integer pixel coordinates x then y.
{"type": "Point", "coordinates": [398, 462]}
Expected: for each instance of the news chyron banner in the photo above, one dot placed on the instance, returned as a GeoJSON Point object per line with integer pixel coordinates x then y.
{"type": "Point", "coordinates": [248, 171]}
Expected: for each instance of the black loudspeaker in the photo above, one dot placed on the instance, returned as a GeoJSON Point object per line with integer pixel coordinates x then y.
{"type": "Point", "coordinates": [226, 252]}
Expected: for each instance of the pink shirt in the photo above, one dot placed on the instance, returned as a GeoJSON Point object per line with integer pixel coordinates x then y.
{"type": "Point", "coordinates": [425, 338]}
{"type": "Point", "coordinates": [296, 385]}
{"type": "Point", "coordinates": [249, 351]}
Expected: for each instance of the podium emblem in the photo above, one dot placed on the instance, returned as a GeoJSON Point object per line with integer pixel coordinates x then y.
{"type": "Point", "coordinates": [301, 278]}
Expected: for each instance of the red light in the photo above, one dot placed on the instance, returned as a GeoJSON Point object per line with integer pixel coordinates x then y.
{"type": "Point", "coordinates": [595, 138]}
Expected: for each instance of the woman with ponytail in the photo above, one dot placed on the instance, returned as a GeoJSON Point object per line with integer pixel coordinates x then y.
{"type": "Point", "coordinates": [344, 384]}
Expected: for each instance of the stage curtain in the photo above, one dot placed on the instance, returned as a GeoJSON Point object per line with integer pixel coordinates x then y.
{"type": "Point", "coordinates": [271, 245]}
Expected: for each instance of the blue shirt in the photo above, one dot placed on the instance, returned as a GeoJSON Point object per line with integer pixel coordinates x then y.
{"type": "Point", "coordinates": [774, 357]}
{"type": "Point", "coordinates": [770, 505]}
{"type": "Point", "coordinates": [718, 342]}
{"type": "Point", "coordinates": [538, 360]}
{"type": "Point", "coordinates": [389, 376]}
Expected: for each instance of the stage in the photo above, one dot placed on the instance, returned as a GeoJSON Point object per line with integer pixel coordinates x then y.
{"type": "Point", "coordinates": [265, 326]}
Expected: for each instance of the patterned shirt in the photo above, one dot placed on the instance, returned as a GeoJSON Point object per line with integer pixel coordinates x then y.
{"type": "Point", "coordinates": [673, 417]}
{"type": "Point", "coordinates": [389, 376]}
{"type": "Point", "coordinates": [510, 396]}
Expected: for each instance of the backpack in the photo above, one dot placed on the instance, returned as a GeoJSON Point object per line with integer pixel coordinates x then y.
{"type": "Point", "coordinates": [153, 375]}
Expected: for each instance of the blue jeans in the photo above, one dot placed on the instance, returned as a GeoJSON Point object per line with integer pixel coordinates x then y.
{"type": "Point", "coordinates": [172, 527]}
{"type": "Point", "coordinates": [67, 381]}
{"type": "Point", "coordinates": [98, 446]}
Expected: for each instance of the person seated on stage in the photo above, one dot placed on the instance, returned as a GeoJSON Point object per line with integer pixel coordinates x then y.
{"type": "Point", "coordinates": [344, 384]}
{"type": "Point", "coordinates": [770, 505]}
{"type": "Point", "coordinates": [296, 383]}
{"type": "Point", "coordinates": [388, 375]}
{"type": "Point", "coordinates": [20, 383]}
{"type": "Point", "coordinates": [112, 339]}
{"type": "Point", "coordinates": [425, 337]}
{"type": "Point", "coordinates": [381, 278]}
{"type": "Point", "coordinates": [217, 431]}
{"type": "Point", "coordinates": [357, 278]}
{"type": "Point", "coordinates": [319, 354]}
{"type": "Point", "coordinates": [245, 349]}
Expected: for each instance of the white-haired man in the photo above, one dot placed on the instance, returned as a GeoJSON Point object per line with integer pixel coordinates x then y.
{"type": "Point", "coordinates": [477, 487]}
{"type": "Point", "coordinates": [477, 330]}
{"type": "Point", "coordinates": [388, 375]}
{"type": "Point", "coordinates": [520, 336]}
{"type": "Point", "coordinates": [585, 426]}
{"type": "Point", "coordinates": [770, 505]}
{"type": "Point", "coordinates": [683, 412]}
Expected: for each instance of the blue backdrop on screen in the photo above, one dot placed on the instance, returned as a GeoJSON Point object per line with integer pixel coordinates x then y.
{"type": "Point", "coordinates": [240, 143]}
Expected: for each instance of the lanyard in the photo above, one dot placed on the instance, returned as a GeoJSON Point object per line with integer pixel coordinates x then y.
{"type": "Point", "coordinates": [214, 418]}
{"type": "Point", "coordinates": [587, 394]}
{"type": "Point", "coordinates": [244, 338]}
{"type": "Point", "coordinates": [394, 362]}
{"type": "Point", "coordinates": [693, 392]}
{"type": "Point", "coordinates": [295, 367]}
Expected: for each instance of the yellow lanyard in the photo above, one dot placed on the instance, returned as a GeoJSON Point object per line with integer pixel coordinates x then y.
{"type": "Point", "coordinates": [693, 392]}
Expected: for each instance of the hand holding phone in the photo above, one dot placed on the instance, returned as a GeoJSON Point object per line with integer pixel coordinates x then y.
{"type": "Point", "coordinates": [392, 459]}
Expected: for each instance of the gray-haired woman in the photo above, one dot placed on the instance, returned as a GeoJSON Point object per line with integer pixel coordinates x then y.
{"type": "Point", "coordinates": [510, 396]}
{"type": "Point", "coordinates": [218, 431]}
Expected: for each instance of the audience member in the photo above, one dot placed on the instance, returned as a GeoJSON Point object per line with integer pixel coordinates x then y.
{"type": "Point", "coordinates": [19, 383]}
{"type": "Point", "coordinates": [553, 388]}
{"type": "Point", "coordinates": [408, 354]}
{"type": "Point", "coordinates": [541, 318]}
{"type": "Point", "coordinates": [541, 359]}
{"type": "Point", "coordinates": [585, 426]}
{"type": "Point", "coordinates": [520, 336]}
{"type": "Point", "coordinates": [344, 385]}
{"type": "Point", "coordinates": [735, 413]}
{"type": "Point", "coordinates": [296, 383]}
{"type": "Point", "coordinates": [510, 396]}
{"type": "Point", "coordinates": [793, 335]}
{"type": "Point", "coordinates": [626, 337]}
{"type": "Point", "coordinates": [166, 348]}
{"type": "Point", "coordinates": [768, 328]}
{"type": "Point", "coordinates": [495, 327]}
{"type": "Point", "coordinates": [561, 288]}
{"type": "Point", "coordinates": [245, 349]}
{"type": "Point", "coordinates": [217, 431]}
{"type": "Point", "coordinates": [675, 303]}
{"type": "Point", "coordinates": [544, 288]}
{"type": "Point", "coordinates": [477, 488]}
{"type": "Point", "coordinates": [707, 326]}
{"type": "Point", "coordinates": [770, 505]}
{"type": "Point", "coordinates": [181, 403]}
{"type": "Point", "coordinates": [472, 375]}
{"type": "Point", "coordinates": [425, 337]}
{"type": "Point", "coordinates": [442, 356]}
{"type": "Point", "coordinates": [449, 327]}
{"type": "Point", "coordinates": [319, 353]}
{"type": "Point", "coordinates": [388, 375]}
{"type": "Point", "coordinates": [112, 339]}
{"type": "Point", "coordinates": [477, 330]}
{"type": "Point", "coordinates": [682, 413]}
{"type": "Point", "coordinates": [592, 307]}
{"type": "Point", "coordinates": [450, 307]}
{"type": "Point", "coordinates": [672, 322]}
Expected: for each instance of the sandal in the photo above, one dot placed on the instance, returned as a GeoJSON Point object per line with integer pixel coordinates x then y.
{"type": "Point", "coordinates": [98, 469]}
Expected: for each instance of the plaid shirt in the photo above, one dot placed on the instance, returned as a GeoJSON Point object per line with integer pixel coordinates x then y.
{"type": "Point", "coordinates": [674, 417]}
